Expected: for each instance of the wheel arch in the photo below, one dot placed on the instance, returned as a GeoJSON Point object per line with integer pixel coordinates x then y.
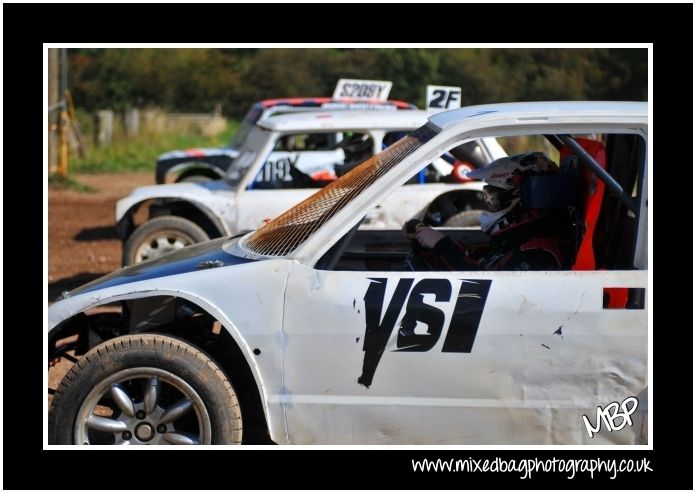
{"type": "Point", "coordinates": [230, 351]}
{"type": "Point", "coordinates": [212, 172]}
{"type": "Point", "coordinates": [168, 167]}
{"type": "Point", "coordinates": [194, 211]}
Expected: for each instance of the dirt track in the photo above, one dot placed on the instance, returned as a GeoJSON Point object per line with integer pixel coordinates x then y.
{"type": "Point", "coordinates": [82, 242]}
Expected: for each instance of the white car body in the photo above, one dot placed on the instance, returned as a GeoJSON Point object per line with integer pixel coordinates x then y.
{"type": "Point", "coordinates": [521, 383]}
{"type": "Point", "coordinates": [234, 206]}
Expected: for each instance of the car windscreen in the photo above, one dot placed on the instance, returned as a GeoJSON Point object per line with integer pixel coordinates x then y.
{"type": "Point", "coordinates": [245, 127]}
{"type": "Point", "coordinates": [257, 138]}
{"type": "Point", "coordinates": [288, 231]}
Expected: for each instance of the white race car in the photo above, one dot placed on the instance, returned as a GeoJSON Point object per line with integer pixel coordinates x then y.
{"type": "Point", "coordinates": [283, 161]}
{"type": "Point", "coordinates": [312, 331]}
{"type": "Point", "coordinates": [205, 164]}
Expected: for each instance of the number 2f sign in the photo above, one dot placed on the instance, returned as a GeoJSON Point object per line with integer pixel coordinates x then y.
{"type": "Point", "coordinates": [441, 98]}
{"type": "Point", "coordinates": [362, 89]}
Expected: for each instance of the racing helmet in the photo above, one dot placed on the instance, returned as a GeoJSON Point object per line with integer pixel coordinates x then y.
{"type": "Point", "coordinates": [502, 194]}
{"type": "Point", "coordinates": [507, 172]}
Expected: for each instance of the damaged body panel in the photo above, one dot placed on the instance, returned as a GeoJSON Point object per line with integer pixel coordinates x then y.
{"type": "Point", "coordinates": [229, 304]}
{"type": "Point", "coordinates": [345, 342]}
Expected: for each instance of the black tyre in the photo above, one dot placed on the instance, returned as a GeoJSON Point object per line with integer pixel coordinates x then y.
{"type": "Point", "coordinates": [141, 390]}
{"type": "Point", "coordinates": [159, 236]}
{"type": "Point", "coordinates": [194, 179]}
{"type": "Point", "coordinates": [465, 218]}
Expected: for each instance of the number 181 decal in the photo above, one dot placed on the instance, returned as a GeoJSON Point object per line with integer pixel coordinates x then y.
{"type": "Point", "coordinates": [468, 308]}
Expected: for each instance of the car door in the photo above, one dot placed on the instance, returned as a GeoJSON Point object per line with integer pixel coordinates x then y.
{"type": "Point", "coordinates": [458, 357]}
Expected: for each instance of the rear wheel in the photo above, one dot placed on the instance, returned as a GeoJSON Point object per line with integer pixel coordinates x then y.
{"type": "Point", "coordinates": [159, 236]}
{"type": "Point", "coordinates": [464, 218]}
{"type": "Point", "coordinates": [145, 390]}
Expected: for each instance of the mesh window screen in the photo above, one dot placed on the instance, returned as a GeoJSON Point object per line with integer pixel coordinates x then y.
{"type": "Point", "coordinates": [289, 230]}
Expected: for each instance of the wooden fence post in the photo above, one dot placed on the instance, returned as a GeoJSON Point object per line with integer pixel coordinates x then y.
{"type": "Point", "coordinates": [104, 123]}
{"type": "Point", "coordinates": [54, 110]}
{"type": "Point", "coordinates": [131, 120]}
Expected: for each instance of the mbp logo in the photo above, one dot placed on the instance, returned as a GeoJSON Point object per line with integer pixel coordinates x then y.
{"type": "Point", "coordinates": [609, 414]}
{"type": "Point", "coordinates": [468, 302]}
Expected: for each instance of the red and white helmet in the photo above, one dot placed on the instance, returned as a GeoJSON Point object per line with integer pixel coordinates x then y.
{"type": "Point", "coordinates": [502, 195]}
{"type": "Point", "coordinates": [507, 172]}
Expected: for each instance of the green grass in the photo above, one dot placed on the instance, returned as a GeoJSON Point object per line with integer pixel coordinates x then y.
{"type": "Point", "coordinates": [140, 154]}
{"type": "Point", "coordinates": [60, 181]}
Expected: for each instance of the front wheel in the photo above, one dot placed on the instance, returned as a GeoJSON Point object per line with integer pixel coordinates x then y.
{"type": "Point", "coordinates": [145, 389]}
{"type": "Point", "coordinates": [159, 236]}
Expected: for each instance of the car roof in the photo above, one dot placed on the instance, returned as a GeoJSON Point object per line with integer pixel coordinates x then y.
{"type": "Point", "coordinates": [337, 120]}
{"type": "Point", "coordinates": [538, 110]}
{"type": "Point", "coordinates": [319, 101]}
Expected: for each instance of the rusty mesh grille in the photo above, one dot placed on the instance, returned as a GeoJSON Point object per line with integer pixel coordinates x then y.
{"type": "Point", "coordinates": [289, 230]}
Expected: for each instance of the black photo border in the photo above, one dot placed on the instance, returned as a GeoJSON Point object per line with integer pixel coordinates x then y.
{"type": "Point", "coordinates": [288, 468]}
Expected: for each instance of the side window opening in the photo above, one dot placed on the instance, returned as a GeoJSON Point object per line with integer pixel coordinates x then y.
{"type": "Point", "coordinates": [312, 160]}
{"type": "Point", "coordinates": [559, 232]}
{"type": "Point", "coordinates": [306, 142]}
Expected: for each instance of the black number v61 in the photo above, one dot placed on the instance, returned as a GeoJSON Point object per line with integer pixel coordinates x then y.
{"type": "Point", "coordinates": [468, 308]}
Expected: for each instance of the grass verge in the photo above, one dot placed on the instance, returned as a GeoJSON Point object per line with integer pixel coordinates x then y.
{"type": "Point", "coordinates": [141, 153]}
